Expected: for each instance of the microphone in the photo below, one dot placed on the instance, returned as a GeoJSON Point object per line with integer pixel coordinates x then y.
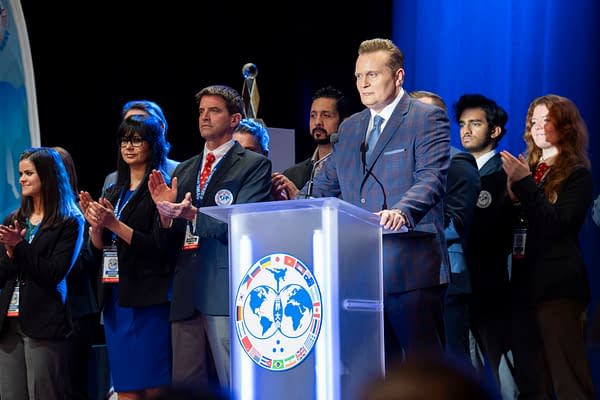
{"type": "Point", "coordinates": [334, 138]}
{"type": "Point", "coordinates": [309, 187]}
{"type": "Point", "coordinates": [364, 147]}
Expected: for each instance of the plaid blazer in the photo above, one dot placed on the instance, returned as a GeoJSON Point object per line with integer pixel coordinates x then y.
{"type": "Point", "coordinates": [410, 159]}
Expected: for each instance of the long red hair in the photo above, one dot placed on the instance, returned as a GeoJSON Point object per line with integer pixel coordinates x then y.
{"type": "Point", "coordinates": [572, 142]}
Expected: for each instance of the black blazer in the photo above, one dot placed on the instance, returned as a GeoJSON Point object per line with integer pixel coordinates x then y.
{"type": "Point", "coordinates": [300, 173]}
{"type": "Point", "coordinates": [553, 267]}
{"type": "Point", "coordinates": [144, 273]}
{"type": "Point", "coordinates": [201, 281]}
{"type": "Point", "coordinates": [43, 266]}
{"type": "Point", "coordinates": [462, 189]}
{"type": "Point", "coordinates": [81, 282]}
{"type": "Point", "coordinates": [490, 239]}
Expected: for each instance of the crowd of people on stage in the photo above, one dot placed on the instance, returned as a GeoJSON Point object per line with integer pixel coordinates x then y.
{"type": "Point", "coordinates": [497, 280]}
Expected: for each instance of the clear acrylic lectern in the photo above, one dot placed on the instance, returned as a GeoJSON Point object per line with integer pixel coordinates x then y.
{"type": "Point", "coordinates": [306, 299]}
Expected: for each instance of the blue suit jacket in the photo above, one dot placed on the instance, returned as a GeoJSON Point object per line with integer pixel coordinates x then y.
{"type": "Point", "coordinates": [411, 160]}
{"type": "Point", "coordinates": [201, 281]}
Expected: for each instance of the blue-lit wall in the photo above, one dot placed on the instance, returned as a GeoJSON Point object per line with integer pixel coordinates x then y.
{"type": "Point", "coordinates": [512, 51]}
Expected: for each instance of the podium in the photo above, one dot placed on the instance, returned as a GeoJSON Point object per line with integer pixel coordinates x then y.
{"type": "Point", "coordinates": [306, 299]}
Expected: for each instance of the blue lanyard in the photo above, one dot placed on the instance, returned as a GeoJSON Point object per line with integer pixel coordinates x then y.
{"type": "Point", "coordinates": [200, 191]}
{"type": "Point", "coordinates": [124, 197]}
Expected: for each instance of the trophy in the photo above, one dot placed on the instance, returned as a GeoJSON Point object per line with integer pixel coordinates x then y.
{"type": "Point", "coordinates": [250, 91]}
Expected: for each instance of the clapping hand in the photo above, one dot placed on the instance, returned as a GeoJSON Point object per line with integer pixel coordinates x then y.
{"type": "Point", "coordinates": [10, 236]}
{"type": "Point", "coordinates": [516, 169]}
{"type": "Point", "coordinates": [282, 188]}
{"type": "Point", "coordinates": [99, 213]}
{"type": "Point", "coordinates": [159, 190]}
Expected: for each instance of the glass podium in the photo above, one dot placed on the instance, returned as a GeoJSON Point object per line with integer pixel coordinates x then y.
{"type": "Point", "coordinates": [306, 298]}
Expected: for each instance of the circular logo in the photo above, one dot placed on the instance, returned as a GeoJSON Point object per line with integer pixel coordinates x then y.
{"type": "Point", "coordinates": [484, 200]}
{"type": "Point", "coordinates": [224, 197]}
{"type": "Point", "coordinates": [278, 312]}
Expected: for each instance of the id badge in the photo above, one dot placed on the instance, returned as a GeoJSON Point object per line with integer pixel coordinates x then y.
{"type": "Point", "coordinates": [13, 307]}
{"type": "Point", "coordinates": [191, 241]}
{"type": "Point", "coordinates": [110, 265]}
{"type": "Point", "coordinates": [519, 238]}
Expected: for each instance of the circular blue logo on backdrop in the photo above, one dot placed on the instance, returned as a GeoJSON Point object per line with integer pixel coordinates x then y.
{"type": "Point", "coordinates": [278, 312]}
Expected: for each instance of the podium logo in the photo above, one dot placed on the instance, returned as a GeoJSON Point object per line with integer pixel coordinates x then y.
{"type": "Point", "coordinates": [278, 312]}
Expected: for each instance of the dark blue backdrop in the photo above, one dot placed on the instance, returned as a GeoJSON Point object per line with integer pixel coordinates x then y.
{"type": "Point", "coordinates": [512, 51]}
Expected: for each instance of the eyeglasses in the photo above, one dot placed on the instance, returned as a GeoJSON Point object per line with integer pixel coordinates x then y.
{"type": "Point", "coordinates": [136, 141]}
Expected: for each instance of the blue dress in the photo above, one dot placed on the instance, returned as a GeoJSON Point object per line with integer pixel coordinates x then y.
{"type": "Point", "coordinates": [139, 344]}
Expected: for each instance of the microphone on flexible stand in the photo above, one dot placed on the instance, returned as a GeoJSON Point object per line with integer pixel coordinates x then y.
{"type": "Point", "coordinates": [364, 148]}
{"type": "Point", "coordinates": [309, 188]}
{"type": "Point", "coordinates": [333, 139]}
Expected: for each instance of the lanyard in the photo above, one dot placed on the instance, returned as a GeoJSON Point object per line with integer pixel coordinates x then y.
{"type": "Point", "coordinates": [124, 197]}
{"type": "Point", "coordinates": [200, 191]}
{"type": "Point", "coordinates": [31, 230]}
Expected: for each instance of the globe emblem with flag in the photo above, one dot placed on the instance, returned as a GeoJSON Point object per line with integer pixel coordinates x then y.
{"type": "Point", "coordinates": [278, 312]}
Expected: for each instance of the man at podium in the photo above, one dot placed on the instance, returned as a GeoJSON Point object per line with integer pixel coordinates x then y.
{"type": "Point", "coordinates": [391, 159]}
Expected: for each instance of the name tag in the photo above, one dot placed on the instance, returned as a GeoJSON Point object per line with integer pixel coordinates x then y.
{"type": "Point", "coordinates": [110, 265]}
{"type": "Point", "coordinates": [519, 239]}
{"type": "Point", "coordinates": [13, 307]}
{"type": "Point", "coordinates": [191, 241]}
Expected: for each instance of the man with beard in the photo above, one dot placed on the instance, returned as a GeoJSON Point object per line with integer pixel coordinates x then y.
{"type": "Point", "coordinates": [329, 108]}
{"type": "Point", "coordinates": [482, 125]}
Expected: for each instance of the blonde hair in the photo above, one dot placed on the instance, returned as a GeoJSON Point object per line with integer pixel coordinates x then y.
{"type": "Point", "coordinates": [396, 59]}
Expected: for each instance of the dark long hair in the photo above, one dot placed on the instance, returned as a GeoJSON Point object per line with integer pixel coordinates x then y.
{"type": "Point", "coordinates": [58, 198]}
{"type": "Point", "coordinates": [151, 130]}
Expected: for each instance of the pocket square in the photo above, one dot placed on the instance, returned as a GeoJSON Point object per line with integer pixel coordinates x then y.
{"type": "Point", "coordinates": [389, 153]}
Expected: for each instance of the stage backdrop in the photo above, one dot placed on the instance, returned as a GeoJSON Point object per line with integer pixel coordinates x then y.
{"type": "Point", "coordinates": [511, 51]}
{"type": "Point", "coordinates": [19, 126]}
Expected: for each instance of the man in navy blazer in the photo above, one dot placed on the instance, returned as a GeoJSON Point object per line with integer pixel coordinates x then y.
{"type": "Point", "coordinates": [402, 178]}
{"type": "Point", "coordinates": [482, 124]}
{"type": "Point", "coordinates": [200, 304]}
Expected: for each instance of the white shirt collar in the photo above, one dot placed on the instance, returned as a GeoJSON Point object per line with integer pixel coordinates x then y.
{"type": "Point", "coordinates": [219, 152]}
{"type": "Point", "coordinates": [386, 113]}
{"type": "Point", "coordinates": [485, 158]}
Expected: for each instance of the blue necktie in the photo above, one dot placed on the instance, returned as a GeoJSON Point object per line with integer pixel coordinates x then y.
{"type": "Point", "coordinates": [374, 135]}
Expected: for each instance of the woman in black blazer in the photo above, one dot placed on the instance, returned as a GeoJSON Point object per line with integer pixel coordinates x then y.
{"type": "Point", "coordinates": [549, 279]}
{"type": "Point", "coordinates": [134, 275]}
{"type": "Point", "coordinates": [40, 243]}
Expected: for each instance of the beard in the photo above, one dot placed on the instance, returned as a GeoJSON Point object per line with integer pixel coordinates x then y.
{"type": "Point", "coordinates": [321, 140]}
{"type": "Point", "coordinates": [324, 140]}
